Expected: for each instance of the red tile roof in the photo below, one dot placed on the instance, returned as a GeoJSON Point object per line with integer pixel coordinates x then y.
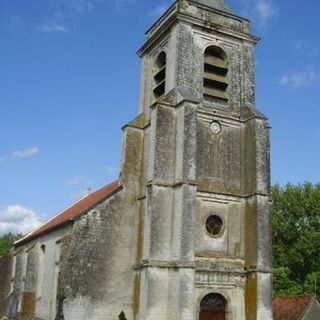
{"type": "Point", "coordinates": [291, 307]}
{"type": "Point", "coordinates": [68, 215]}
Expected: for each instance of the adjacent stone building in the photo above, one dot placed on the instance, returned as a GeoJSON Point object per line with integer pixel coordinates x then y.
{"type": "Point", "coordinates": [185, 231]}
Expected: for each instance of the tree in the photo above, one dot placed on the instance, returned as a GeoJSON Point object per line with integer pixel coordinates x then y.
{"type": "Point", "coordinates": [296, 237]}
{"type": "Point", "coordinates": [6, 242]}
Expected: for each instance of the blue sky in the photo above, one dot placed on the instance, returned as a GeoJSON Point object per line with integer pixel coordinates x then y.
{"type": "Point", "coordinates": [70, 79]}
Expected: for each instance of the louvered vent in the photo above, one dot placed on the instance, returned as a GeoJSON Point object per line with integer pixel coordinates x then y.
{"type": "Point", "coordinates": [215, 83]}
{"type": "Point", "coordinates": [160, 75]}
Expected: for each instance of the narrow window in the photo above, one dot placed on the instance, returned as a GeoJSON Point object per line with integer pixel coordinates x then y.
{"type": "Point", "coordinates": [160, 75]}
{"type": "Point", "coordinates": [215, 82]}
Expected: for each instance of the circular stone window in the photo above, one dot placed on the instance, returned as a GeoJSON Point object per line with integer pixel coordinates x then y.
{"type": "Point", "coordinates": [214, 225]}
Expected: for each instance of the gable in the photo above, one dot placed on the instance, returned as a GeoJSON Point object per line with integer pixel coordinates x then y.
{"type": "Point", "coordinates": [313, 311]}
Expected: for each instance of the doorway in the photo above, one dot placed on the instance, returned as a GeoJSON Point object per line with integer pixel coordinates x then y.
{"type": "Point", "coordinates": [213, 307]}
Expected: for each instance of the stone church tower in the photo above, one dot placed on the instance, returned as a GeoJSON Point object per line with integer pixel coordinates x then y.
{"type": "Point", "coordinates": [185, 231]}
{"type": "Point", "coordinates": [205, 195]}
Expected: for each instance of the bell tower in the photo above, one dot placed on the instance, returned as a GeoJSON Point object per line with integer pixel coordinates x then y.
{"type": "Point", "coordinates": [204, 198]}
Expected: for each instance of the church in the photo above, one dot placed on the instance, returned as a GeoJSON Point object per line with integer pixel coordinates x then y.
{"type": "Point", "coordinates": [184, 233]}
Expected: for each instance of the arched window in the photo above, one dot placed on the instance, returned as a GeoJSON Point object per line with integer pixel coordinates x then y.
{"type": "Point", "coordinates": [215, 82]}
{"type": "Point", "coordinates": [43, 248]}
{"type": "Point", "coordinates": [160, 75]}
{"type": "Point", "coordinates": [213, 306]}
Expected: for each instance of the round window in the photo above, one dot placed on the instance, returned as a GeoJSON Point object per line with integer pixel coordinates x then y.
{"type": "Point", "coordinates": [214, 225]}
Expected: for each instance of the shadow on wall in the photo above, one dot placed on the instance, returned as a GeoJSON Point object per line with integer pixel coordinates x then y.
{"type": "Point", "coordinates": [122, 316]}
{"type": "Point", "coordinates": [5, 282]}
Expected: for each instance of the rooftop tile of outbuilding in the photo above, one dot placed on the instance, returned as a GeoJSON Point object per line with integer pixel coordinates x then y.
{"type": "Point", "coordinates": [290, 307]}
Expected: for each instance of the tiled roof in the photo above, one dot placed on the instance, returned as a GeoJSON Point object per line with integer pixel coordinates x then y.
{"type": "Point", "coordinates": [291, 307]}
{"type": "Point", "coordinates": [69, 214]}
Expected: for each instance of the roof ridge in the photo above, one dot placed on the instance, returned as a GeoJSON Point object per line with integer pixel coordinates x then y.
{"type": "Point", "coordinates": [296, 296]}
{"type": "Point", "coordinates": [49, 220]}
{"type": "Point", "coordinates": [111, 188]}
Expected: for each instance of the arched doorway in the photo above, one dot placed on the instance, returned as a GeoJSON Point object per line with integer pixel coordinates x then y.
{"type": "Point", "coordinates": [213, 307]}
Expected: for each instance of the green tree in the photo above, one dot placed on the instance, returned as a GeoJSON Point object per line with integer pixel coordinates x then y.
{"type": "Point", "coordinates": [296, 237]}
{"type": "Point", "coordinates": [6, 242]}
{"type": "Point", "coordinates": [283, 284]}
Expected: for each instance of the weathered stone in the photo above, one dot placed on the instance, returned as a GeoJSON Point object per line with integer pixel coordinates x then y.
{"type": "Point", "coordinates": [147, 252]}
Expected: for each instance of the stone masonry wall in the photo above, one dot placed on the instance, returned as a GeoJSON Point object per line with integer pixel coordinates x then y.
{"type": "Point", "coordinates": [97, 273]}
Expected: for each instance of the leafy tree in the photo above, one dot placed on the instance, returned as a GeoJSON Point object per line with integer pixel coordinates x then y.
{"type": "Point", "coordinates": [283, 284]}
{"type": "Point", "coordinates": [6, 242]}
{"type": "Point", "coordinates": [296, 237]}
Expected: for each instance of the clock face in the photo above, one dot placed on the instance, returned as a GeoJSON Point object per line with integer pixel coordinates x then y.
{"type": "Point", "coordinates": [215, 127]}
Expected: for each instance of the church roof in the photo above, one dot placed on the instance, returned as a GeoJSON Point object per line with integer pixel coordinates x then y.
{"type": "Point", "coordinates": [68, 215]}
{"type": "Point", "coordinates": [291, 307]}
{"type": "Point", "coordinates": [216, 4]}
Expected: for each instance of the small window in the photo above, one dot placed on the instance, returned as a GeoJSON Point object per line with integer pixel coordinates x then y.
{"type": "Point", "coordinates": [160, 75]}
{"type": "Point", "coordinates": [214, 225]}
{"type": "Point", "coordinates": [215, 83]}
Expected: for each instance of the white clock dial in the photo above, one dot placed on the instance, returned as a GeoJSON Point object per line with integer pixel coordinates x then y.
{"type": "Point", "coordinates": [215, 127]}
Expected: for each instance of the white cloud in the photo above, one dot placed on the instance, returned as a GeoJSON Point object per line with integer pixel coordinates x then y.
{"type": "Point", "coordinates": [159, 10]}
{"type": "Point", "coordinates": [14, 22]}
{"type": "Point", "coordinates": [82, 6]}
{"type": "Point", "coordinates": [53, 28]}
{"type": "Point", "coordinates": [77, 5]}
{"type": "Point", "coordinates": [312, 50]}
{"type": "Point", "coordinates": [88, 5]}
{"type": "Point", "coordinates": [65, 10]}
{"type": "Point", "coordinates": [299, 45]}
{"type": "Point", "coordinates": [25, 153]}
{"type": "Point", "coordinates": [259, 10]}
{"type": "Point", "coordinates": [78, 180]}
{"type": "Point", "coordinates": [265, 9]}
{"type": "Point", "coordinates": [2, 159]}
{"type": "Point", "coordinates": [18, 219]}
{"type": "Point", "coordinates": [120, 4]}
{"type": "Point", "coordinates": [302, 78]}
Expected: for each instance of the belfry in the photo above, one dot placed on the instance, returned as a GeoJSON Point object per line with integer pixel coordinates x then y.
{"type": "Point", "coordinates": [184, 233]}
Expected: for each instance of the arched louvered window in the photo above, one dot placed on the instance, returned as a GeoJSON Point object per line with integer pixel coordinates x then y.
{"type": "Point", "coordinates": [215, 82]}
{"type": "Point", "coordinates": [160, 75]}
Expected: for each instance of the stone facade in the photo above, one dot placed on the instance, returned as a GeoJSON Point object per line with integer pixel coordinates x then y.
{"type": "Point", "coordinates": [36, 269]}
{"type": "Point", "coordinates": [192, 217]}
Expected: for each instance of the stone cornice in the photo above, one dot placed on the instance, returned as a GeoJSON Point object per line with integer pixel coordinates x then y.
{"type": "Point", "coordinates": [178, 17]}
